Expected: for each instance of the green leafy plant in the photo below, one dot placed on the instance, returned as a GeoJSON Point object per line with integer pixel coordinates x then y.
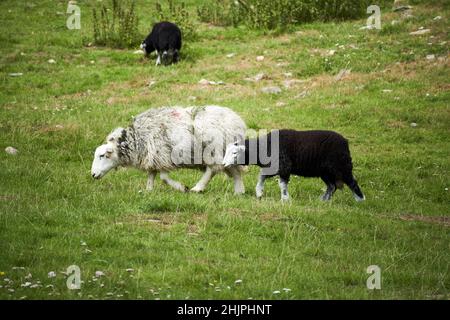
{"type": "Point", "coordinates": [116, 26]}
{"type": "Point", "coordinates": [269, 14]}
{"type": "Point", "coordinates": [178, 14]}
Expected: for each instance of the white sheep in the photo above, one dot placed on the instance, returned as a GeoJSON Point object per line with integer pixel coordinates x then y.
{"type": "Point", "coordinates": [164, 139]}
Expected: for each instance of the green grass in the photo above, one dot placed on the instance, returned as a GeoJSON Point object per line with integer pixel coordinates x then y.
{"type": "Point", "coordinates": [196, 246]}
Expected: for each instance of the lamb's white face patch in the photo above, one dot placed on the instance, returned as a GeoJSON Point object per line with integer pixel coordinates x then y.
{"type": "Point", "coordinates": [232, 153]}
{"type": "Point", "coordinates": [105, 159]}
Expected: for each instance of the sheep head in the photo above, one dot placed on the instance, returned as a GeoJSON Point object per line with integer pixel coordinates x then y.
{"type": "Point", "coordinates": [106, 156]}
{"type": "Point", "coordinates": [233, 152]}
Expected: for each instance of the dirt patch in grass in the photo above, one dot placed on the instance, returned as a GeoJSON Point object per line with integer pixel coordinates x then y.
{"type": "Point", "coordinates": [441, 220]}
{"type": "Point", "coordinates": [194, 223]}
{"type": "Point", "coordinates": [6, 197]}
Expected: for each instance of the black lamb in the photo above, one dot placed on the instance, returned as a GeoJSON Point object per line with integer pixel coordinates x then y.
{"type": "Point", "coordinates": [165, 38]}
{"type": "Point", "coordinates": [315, 153]}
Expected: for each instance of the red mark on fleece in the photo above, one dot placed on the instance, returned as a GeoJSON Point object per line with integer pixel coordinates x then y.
{"type": "Point", "coordinates": [176, 114]}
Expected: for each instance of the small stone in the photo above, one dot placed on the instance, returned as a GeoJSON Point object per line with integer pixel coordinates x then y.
{"type": "Point", "coordinates": [413, 124]}
{"type": "Point", "coordinates": [11, 150]}
{"type": "Point", "coordinates": [231, 55]}
{"type": "Point", "coordinates": [138, 52]}
{"type": "Point", "coordinates": [258, 77]}
{"type": "Point", "coordinates": [28, 276]}
{"type": "Point", "coordinates": [26, 284]}
{"type": "Point", "coordinates": [286, 290]}
{"type": "Point", "coordinates": [205, 82]}
{"type": "Point", "coordinates": [83, 243]}
{"type": "Point", "coordinates": [239, 281]}
{"type": "Point", "coordinates": [99, 274]}
{"type": "Point", "coordinates": [420, 32]}
{"type": "Point", "coordinates": [271, 90]}
{"type": "Point", "coordinates": [259, 58]}
{"type": "Point", "coordinates": [387, 91]}
{"type": "Point", "coordinates": [342, 74]}
{"type": "Point", "coordinates": [369, 27]}
{"type": "Point", "coordinates": [51, 274]}
{"type": "Point", "coordinates": [437, 18]}
{"type": "Point", "coordinates": [287, 74]}
{"type": "Point", "coordinates": [51, 61]}
{"type": "Point", "coordinates": [431, 57]}
{"type": "Point", "coordinates": [301, 94]}
{"type": "Point", "coordinates": [276, 292]}
{"type": "Point", "coordinates": [129, 270]}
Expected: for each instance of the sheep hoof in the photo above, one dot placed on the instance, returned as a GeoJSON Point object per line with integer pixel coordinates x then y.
{"type": "Point", "coordinates": [197, 190]}
{"type": "Point", "coordinates": [238, 193]}
{"type": "Point", "coordinates": [325, 197]}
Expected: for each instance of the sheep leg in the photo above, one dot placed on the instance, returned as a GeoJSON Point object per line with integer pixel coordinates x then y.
{"type": "Point", "coordinates": [239, 187]}
{"type": "Point", "coordinates": [260, 185]}
{"type": "Point", "coordinates": [151, 180]}
{"type": "Point", "coordinates": [284, 188]}
{"type": "Point", "coordinates": [164, 175]}
{"type": "Point", "coordinates": [158, 59]}
{"type": "Point", "coordinates": [353, 185]}
{"type": "Point", "coordinates": [203, 182]}
{"type": "Point", "coordinates": [164, 57]}
{"type": "Point", "coordinates": [331, 188]}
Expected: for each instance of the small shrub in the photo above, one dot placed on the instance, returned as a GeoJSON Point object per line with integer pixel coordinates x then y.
{"type": "Point", "coordinates": [219, 13]}
{"type": "Point", "coordinates": [280, 14]}
{"type": "Point", "coordinates": [116, 27]}
{"type": "Point", "coordinates": [178, 14]}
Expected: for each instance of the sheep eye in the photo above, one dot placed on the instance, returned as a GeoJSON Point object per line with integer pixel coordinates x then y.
{"type": "Point", "coordinates": [101, 156]}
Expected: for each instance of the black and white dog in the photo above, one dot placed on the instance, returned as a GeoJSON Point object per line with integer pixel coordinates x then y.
{"type": "Point", "coordinates": [165, 38]}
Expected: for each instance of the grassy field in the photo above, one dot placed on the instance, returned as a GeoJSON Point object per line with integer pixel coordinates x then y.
{"type": "Point", "coordinates": [195, 246]}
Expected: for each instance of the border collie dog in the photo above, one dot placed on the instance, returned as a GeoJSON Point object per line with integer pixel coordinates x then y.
{"type": "Point", "coordinates": [165, 38]}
